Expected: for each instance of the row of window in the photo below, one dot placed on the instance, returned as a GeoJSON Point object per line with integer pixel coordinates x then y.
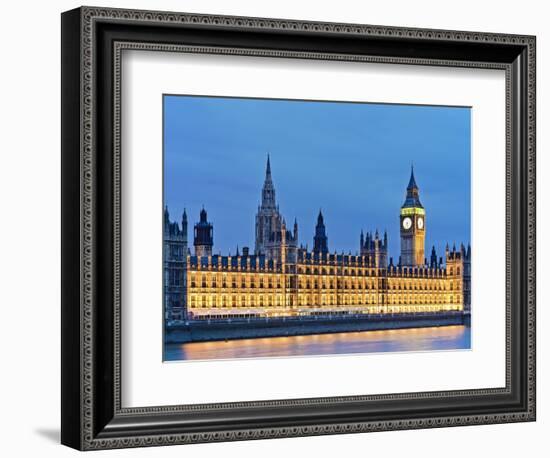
{"type": "Point", "coordinates": [173, 277]}
{"type": "Point", "coordinates": [244, 283]}
{"type": "Point", "coordinates": [205, 301]}
{"type": "Point", "coordinates": [253, 282]}
{"type": "Point", "coordinates": [174, 252]}
{"type": "Point", "coordinates": [365, 271]}
{"type": "Point", "coordinates": [352, 272]}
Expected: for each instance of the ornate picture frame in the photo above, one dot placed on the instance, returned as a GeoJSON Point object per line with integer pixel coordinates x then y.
{"type": "Point", "coordinates": [93, 416]}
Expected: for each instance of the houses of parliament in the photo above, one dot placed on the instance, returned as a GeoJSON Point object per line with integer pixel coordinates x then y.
{"type": "Point", "coordinates": [282, 278]}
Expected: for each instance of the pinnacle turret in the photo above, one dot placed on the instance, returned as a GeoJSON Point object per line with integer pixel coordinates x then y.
{"type": "Point", "coordinates": [320, 240]}
{"type": "Point", "coordinates": [412, 199]}
{"type": "Point", "coordinates": [320, 219]}
{"type": "Point", "coordinates": [268, 190]}
{"type": "Point", "coordinates": [412, 181]}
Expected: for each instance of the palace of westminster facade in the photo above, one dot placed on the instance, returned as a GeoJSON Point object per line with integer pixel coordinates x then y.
{"type": "Point", "coordinates": [281, 278]}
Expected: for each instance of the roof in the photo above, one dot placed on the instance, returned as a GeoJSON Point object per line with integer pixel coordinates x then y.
{"type": "Point", "coordinates": [412, 198]}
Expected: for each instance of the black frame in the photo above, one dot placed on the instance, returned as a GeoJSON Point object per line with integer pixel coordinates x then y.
{"type": "Point", "coordinates": [92, 40]}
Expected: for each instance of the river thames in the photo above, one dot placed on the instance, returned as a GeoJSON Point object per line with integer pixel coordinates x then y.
{"type": "Point", "coordinates": [389, 340]}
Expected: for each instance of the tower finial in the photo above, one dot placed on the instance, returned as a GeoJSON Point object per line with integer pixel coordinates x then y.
{"type": "Point", "coordinates": [203, 215]}
{"type": "Point", "coordinates": [320, 240]}
{"type": "Point", "coordinates": [412, 181]}
{"type": "Point", "coordinates": [268, 167]}
{"type": "Point", "coordinates": [412, 198]}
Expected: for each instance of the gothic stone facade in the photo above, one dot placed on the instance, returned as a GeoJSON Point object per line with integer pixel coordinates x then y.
{"type": "Point", "coordinates": [174, 265]}
{"type": "Point", "coordinates": [282, 279]}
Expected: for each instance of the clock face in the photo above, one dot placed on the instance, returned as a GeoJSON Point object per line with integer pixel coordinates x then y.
{"type": "Point", "coordinates": [420, 222]}
{"type": "Point", "coordinates": [407, 223]}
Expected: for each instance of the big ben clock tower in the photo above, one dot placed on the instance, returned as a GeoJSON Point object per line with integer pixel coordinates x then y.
{"type": "Point", "coordinates": [413, 227]}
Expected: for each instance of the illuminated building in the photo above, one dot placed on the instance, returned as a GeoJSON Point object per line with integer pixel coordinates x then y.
{"type": "Point", "coordinates": [413, 227]}
{"type": "Point", "coordinates": [282, 279]}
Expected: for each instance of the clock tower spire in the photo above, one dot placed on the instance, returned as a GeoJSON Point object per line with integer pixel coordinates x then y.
{"type": "Point", "coordinates": [412, 220]}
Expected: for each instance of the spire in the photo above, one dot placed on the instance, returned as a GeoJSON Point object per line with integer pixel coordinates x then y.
{"type": "Point", "coordinates": [184, 225]}
{"type": "Point", "coordinates": [320, 240]}
{"type": "Point", "coordinates": [412, 181]}
{"type": "Point", "coordinates": [412, 199]}
{"type": "Point", "coordinates": [268, 190]}
{"type": "Point", "coordinates": [320, 221]}
{"type": "Point", "coordinates": [268, 168]}
{"type": "Point", "coordinates": [433, 258]}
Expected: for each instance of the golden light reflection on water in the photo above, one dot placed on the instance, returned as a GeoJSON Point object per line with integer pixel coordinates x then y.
{"type": "Point", "coordinates": [389, 340]}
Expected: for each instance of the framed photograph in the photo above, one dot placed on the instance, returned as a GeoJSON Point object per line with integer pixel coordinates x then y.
{"type": "Point", "coordinates": [276, 228]}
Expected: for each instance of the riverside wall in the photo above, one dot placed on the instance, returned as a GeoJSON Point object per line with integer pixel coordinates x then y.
{"type": "Point", "coordinates": [212, 330]}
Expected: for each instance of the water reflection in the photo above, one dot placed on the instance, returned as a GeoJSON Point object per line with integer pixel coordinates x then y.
{"type": "Point", "coordinates": [390, 340]}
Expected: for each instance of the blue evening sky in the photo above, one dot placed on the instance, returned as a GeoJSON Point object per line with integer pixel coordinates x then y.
{"type": "Point", "coordinates": [353, 160]}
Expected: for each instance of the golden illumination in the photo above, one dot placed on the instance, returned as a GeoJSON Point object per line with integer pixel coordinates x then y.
{"type": "Point", "coordinates": [320, 288]}
{"type": "Point", "coordinates": [412, 211]}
